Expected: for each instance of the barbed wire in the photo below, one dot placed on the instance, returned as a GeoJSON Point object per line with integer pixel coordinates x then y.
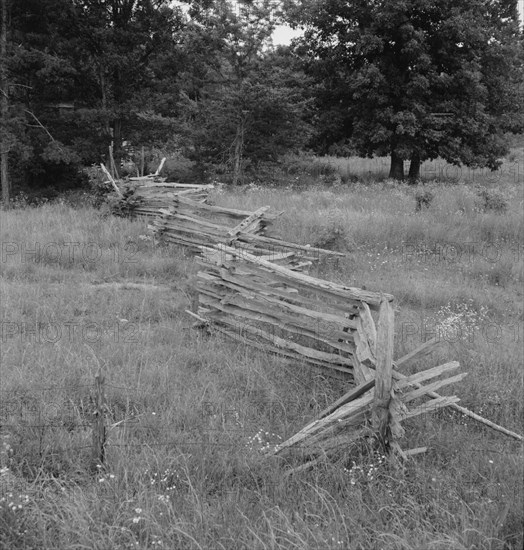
{"type": "Point", "coordinates": [55, 425]}
{"type": "Point", "coordinates": [126, 388]}
{"type": "Point", "coordinates": [19, 390]}
{"type": "Point", "coordinates": [202, 435]}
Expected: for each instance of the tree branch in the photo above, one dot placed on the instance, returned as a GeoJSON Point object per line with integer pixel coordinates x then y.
{"type": "Point", "coordinates": [40, 125]}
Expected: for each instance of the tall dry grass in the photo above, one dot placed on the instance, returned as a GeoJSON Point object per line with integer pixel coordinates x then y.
{"type": "Point", "coordinates": [185, 470]}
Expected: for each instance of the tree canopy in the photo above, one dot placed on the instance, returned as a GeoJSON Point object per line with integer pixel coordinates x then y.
{"type": "Point", "coordinates": [249, 99]}
{"type": "Point", "coordinates": [415, 79]}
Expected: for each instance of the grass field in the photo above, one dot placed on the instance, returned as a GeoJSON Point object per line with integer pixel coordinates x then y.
{"type": "Point", "coordinates": [185, 470]}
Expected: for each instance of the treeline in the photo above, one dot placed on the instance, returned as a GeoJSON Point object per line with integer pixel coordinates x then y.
{"type": "Point", "coordinates": [410, 79]}
{"type": "Point", "coordinates": [201, 78]}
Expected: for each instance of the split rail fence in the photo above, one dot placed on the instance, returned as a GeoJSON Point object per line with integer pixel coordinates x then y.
{"type": "Point", "coordinates": [327, 325]}
{"type": "Point", "coordinates": [255, 289]}
{"type": "Point", "coordinates": [195, 225]}
{"type": "Point", "coordinates": [143, 196]}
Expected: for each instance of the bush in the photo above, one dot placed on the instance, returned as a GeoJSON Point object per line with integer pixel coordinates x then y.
{"type": "Point", "coordinates": [492, 200]}
{"type": "Point", "coordinates": [178, 168]}
{"type": "Point", "coordinates": [333, 237]}
{"type": "Point", "coordinates": [332, 233]}
{"type": "Point", "coordinates": [99, 187]}
{"type": "Point", "coordinates": [423, 199]}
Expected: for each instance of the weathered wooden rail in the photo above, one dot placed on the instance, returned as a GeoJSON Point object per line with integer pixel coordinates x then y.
{"type": "Point", "coordinates": [194, 225]}
{"type": "Point", "coordinates": [318, 322]}
{"type": "Point", "coordinates": [144, 197]}
{"type": "Point", "coordinates": [340, 329]}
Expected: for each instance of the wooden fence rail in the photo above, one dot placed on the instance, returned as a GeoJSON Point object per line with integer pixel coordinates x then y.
{"type": "Point", "coordinates": [196, 225]}
{"type": "Point", "coordinates": [144, 197]}
{"type": "Point", "coordinates": [325, 324]}
{"type": "Point", "coordinates": [280, 310]}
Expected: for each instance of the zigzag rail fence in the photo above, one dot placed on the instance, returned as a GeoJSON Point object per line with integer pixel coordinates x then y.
{"type": "Point", "coordinates": [252, 288]}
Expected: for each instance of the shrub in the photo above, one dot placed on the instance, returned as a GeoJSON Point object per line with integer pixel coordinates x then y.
{"type": "Point", "coordinates": [492, 200]}
{"type": "Point", "coordinates": [99, 186]}
{"type": "Point", "coordinates": [423, 199]}
{"type": "Point", "coordinates": [332, 235]}
{"type": "Point", "coordinates": [178, 168]}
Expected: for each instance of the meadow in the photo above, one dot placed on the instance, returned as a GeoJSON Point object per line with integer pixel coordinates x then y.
{"type": "Point", "coordinates": [185, 469]}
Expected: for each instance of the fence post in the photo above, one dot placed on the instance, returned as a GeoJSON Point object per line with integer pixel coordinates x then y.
{"type": "Point", "coordinates": [383, 376]}
{"type": "Point", "coordinates": [99, 430]}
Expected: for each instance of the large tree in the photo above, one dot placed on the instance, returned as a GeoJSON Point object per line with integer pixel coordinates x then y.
{"type": "Point", "coordinates": [416, 79]}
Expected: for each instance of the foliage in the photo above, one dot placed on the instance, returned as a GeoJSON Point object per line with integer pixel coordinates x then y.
{"type": "Point", "coordinates": [332, 235]}
{"type": "Point", "coordinates": [411, 79]}
{"type": "Point", "coordinates": [178, 168]}
{"type": "Point", "coordinates": [423, 199]}
{"type": "Point", "coordinates": [493, 200]}
{"type": "Point", "coordinates": [246, 102]}
{"type": "Point", "coordinates": [206, 83]}
{"type": "Point", "coordinates": [84, 74]}
{"type": "Point", "coordinates": [416, 79]}
{"type": "Point", "coordinates": [99, 187]}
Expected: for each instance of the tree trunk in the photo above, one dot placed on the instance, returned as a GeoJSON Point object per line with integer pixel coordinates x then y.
{"type": "Point", "coordinates": [414, 168]}
{"type": "Point", "coordinates": [239, 146]}
{"type": "Point", "coordinates": [117, 143]}
{"type": "Point", "coordinates": [103, 95]}
{"type": "Point", "coordinates": [396, 170]}
{"type": "Point", "coordinates": [4, 108]}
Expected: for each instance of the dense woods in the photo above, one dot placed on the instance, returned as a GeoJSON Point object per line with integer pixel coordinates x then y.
{"type": "Point", "coordinates": [407, 79]}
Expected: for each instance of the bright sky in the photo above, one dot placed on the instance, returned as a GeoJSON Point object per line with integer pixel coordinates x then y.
{"type": "Point", "coordinates": [284, 34]}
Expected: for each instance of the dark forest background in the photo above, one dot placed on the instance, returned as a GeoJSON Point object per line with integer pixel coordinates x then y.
{"type": "Point", "coordinates": [202, 82]}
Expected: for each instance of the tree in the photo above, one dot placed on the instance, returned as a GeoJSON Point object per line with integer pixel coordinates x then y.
{"type": "Point", "coordinates": [118, 46]}
{"type": "Point", "coordinates": [416, 79]}
{"type": "Point", "coordinates": [109, 61]}
{"type": "Point", "coordinates": [4, 107]}
{"type": "Point", "coordinates": [246, 102]}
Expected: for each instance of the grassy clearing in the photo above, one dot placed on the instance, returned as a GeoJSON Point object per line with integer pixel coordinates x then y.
{"type": "Point", "coordinates": [186, 471]}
